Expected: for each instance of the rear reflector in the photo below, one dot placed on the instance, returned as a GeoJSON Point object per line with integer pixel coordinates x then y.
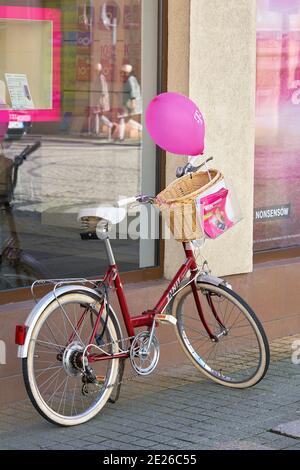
{"type": "Point", "coordinates": [20, 335]}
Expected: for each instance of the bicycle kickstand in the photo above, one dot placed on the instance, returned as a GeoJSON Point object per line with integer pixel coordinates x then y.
{"type": "Point", "coordinates": [119, 383]}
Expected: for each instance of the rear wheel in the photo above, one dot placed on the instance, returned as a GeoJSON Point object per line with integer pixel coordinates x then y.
{"type": "Point", "coordinates": [238, 354]}
{"type": "Point", "coordinates": [61, 384]}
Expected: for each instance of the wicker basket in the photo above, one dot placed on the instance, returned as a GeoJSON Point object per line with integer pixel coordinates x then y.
{"type": "Point", "coordinates": [177, 204]}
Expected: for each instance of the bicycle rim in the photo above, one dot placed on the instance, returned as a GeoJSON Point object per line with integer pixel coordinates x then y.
{"type": "Point", "coordinates": [238, 356]}
{"type": "Point", "coordinates": [53, 368]}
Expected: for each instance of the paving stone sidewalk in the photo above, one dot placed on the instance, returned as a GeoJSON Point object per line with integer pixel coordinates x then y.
{"type": "Point", "coordinates": [174, 409]}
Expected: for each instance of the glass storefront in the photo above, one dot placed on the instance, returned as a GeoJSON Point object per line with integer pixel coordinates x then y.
{"type": "Point", "coordinates": [277, 156]}
{"type": "Point", "coordinates": [75, 75]}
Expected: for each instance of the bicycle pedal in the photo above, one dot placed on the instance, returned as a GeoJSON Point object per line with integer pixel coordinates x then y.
{"type": "Point", "coordinates": [165, 319]}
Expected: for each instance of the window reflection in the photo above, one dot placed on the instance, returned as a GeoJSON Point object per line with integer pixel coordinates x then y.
{"type": "Point", "coordinates": [277, 169]}
{"type": "Point", "coordinates": [81, 66]}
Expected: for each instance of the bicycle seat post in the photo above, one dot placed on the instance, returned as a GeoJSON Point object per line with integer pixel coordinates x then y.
{"type": "Point", "coordinates": [109, 251]}
{"type": "Point", "coordinates": [103, 234]}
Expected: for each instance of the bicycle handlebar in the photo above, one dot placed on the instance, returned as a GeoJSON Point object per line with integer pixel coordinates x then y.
{"type": "Point", "coordinates": [141, 199]}
{"type": "Point", "coordinates": [19, 159]}
{"type": "Point", "coordinates": [127, 201]}
{"type": "Point", "coordinates": [181, 171]}
{"type": "Point", "coordinates": [34, 147]}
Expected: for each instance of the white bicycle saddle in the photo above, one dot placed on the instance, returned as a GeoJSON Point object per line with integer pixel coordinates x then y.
{"type": "Point", "coordinates": [114, 215]}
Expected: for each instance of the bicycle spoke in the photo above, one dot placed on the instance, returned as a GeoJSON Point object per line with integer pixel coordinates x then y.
{"type": "Point", "coordinates": [57, 388]}
{"type": "Point", "coordinates": [64, 382]}
{"type": "Point", "coordinates": [73, 401]}
{"type": "Point", "coordinates": [47, 344]}
{"type": "Point", "coordinates": [43, 371]}
{"type": "Point", "coordinates": [53, 376]}
{"type": "Point", "coordinates": [205, 335]}
{"type": "Point", "coordinates": [51, 331]}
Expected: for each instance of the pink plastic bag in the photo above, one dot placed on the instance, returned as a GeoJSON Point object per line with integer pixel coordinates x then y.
{"type": "Point", "coordinates": [215, 220]}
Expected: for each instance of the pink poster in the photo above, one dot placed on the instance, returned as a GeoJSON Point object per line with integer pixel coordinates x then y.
{"type": "Point", "coordinates": [277, 153]}
{"type": "Point", "coordinates": [51, 16]}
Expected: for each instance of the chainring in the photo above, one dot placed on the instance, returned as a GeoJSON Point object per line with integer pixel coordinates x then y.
{"type": "Point", "coordinates": [144, 357]}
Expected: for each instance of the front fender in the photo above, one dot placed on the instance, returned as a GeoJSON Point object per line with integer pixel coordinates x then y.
{"type": "Point", "coordinates": [47, 300]}
{"type": "Point", "coordinates": [202, 278]}
{"type": "Point", "coordinates": [215, 281]}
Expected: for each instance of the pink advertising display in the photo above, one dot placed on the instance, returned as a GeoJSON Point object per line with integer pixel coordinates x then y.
{"type": "Point", "coordinates": [277, 152]}
{"type": "Point", "coordinates": [33, 74]}
{"type": "Point", "coordinates": [214, 214]}
{"type": "Point", "coordinates": [218, 209]}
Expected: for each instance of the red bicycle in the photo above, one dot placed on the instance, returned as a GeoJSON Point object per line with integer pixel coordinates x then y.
{"type": "Point", "coordinates": [73, 349]}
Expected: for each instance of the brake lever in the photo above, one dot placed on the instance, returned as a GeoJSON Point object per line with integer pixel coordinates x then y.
{"type": "Point", "coordinates": [145, 199]}
{"type": "Point", "coordinates": [210, 159]}
{"type": "Point", "coordinates": [189, 168]}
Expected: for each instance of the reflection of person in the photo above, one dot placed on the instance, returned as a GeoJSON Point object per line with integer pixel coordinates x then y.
{"type": "Point", "coordinates": [131, 101]}
{"type": "Point", "coordinates": [100, 103]}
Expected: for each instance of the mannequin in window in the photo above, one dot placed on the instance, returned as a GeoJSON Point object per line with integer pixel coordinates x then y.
{"type": "Point", "coordinates": [100, 104]}
{"type": "Point", "coordinates": [131, 101]}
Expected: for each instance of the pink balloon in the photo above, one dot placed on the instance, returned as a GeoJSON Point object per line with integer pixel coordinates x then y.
{"type": "Point", "coordinates": [4, 120]}
{"type": "Point", "coordinates": [176, 124]}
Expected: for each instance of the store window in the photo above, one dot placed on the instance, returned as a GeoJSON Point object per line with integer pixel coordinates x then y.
{"type": "Point", "coordinates": [277, 159]}
{"type": "Point", "coordinates": [75, 75]}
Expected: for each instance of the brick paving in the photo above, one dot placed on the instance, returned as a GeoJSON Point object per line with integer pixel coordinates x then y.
{"type": "Point", "coordinates": [174, 409]}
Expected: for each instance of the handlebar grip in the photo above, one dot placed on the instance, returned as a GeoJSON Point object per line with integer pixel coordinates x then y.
{"type": "Point", "coordinates": [19, 159]}
{"type": "Point", "coordinates": [34, 147]}
{"type": "Point", "coordinates": [127, 201]}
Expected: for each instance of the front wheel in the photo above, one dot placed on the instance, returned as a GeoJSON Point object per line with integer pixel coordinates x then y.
{"type": "Point", "coordinates": [232, 349]}
{"type": "Point", "coordinates": [62, 385]}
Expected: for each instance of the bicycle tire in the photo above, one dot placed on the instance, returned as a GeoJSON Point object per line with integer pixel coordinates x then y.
{"type": "Point", "coordinates": [207, 368]}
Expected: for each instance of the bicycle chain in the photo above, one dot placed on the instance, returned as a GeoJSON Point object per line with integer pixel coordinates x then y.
{"type": "Point", "coordinates": [134, 374]}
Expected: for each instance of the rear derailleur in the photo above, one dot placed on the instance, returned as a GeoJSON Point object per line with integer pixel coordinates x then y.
{"type": "Point", "coordinates": [89, 378]}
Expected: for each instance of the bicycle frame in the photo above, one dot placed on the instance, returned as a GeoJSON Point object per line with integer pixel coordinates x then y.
{"type": "Point", "coordinates": [112, 279]}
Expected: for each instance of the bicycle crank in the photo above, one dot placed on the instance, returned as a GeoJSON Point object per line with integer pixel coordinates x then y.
{"type": "Point", "coordinates": [144, 353]}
